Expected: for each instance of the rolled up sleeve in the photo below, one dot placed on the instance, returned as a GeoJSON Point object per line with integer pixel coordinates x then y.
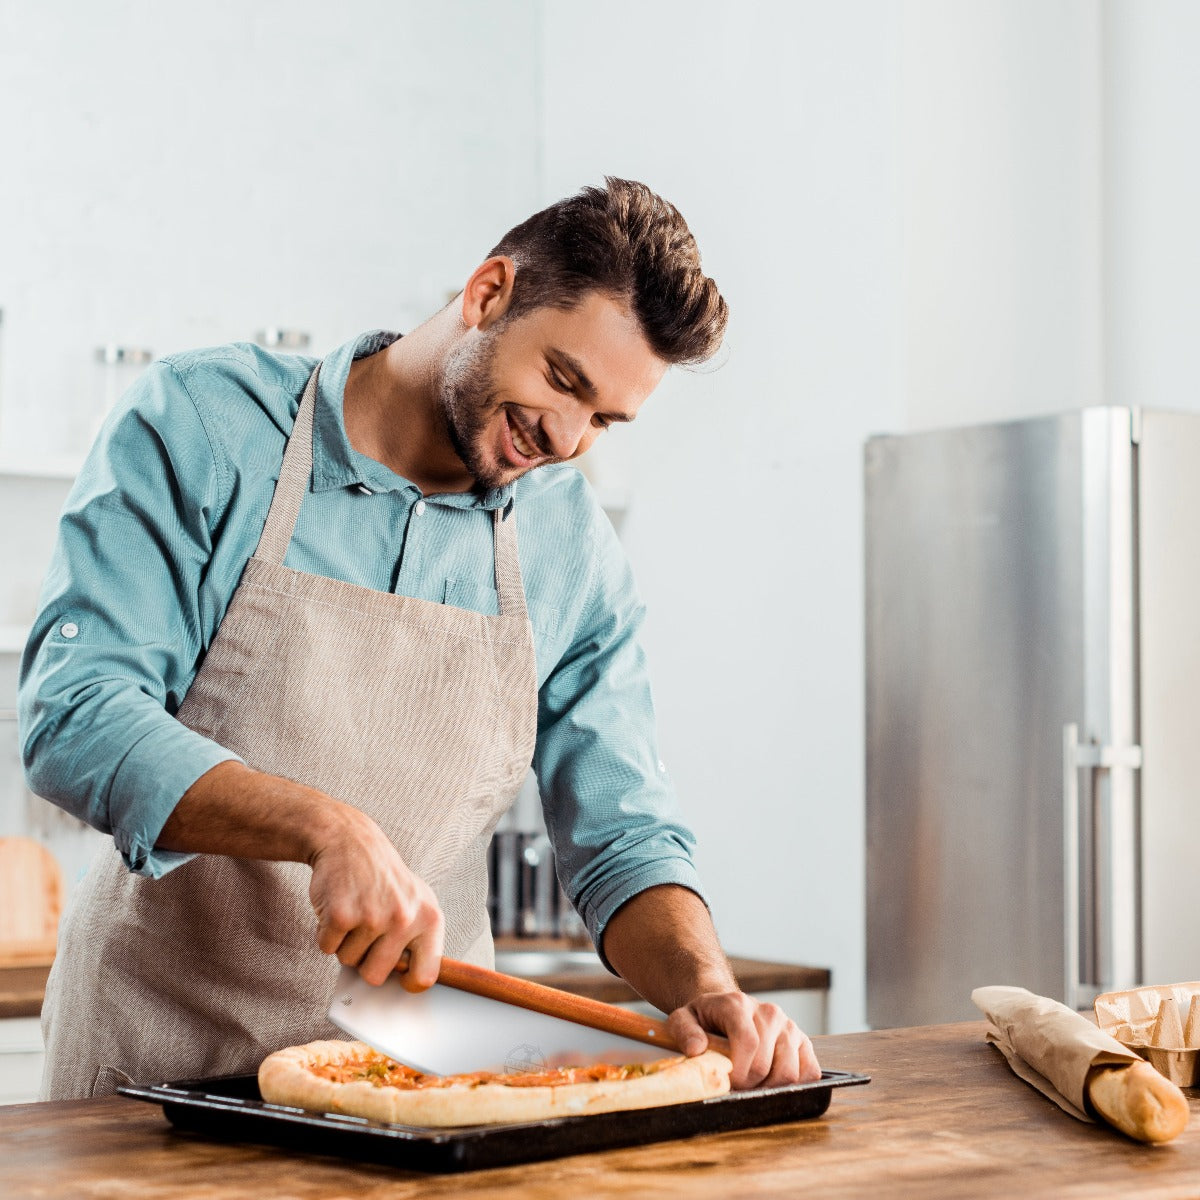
{"type": "Point", "coordinates": [609, 804]}
{"type": "Point", "coordinates": [118, 635]}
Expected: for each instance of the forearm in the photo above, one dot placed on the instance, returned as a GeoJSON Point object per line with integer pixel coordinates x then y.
{"type": "Point", "coordinates": [663, 943]}
{"type": "Point", "coordinates": [370, 907]}
{"type": "Point", "coordinates": [234, 810]}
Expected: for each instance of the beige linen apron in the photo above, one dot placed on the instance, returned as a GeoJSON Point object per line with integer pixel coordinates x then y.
{"type": "Point", "coordinates": [419, 714]}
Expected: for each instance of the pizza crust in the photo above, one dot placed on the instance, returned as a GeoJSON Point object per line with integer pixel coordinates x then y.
{"type": "Point", "coordinates": [286, 1077]}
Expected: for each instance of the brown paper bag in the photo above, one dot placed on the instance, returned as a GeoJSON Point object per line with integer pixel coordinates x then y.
{"type": "Point", "coordinates": [1047, 1044]}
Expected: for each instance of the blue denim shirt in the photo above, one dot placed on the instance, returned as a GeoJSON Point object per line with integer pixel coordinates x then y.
{"type": "Point", "coordinates": [153, 540]}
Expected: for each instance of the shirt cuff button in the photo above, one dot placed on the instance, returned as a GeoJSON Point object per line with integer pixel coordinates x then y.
{"type": "Point", "coordinates": [69, 630]}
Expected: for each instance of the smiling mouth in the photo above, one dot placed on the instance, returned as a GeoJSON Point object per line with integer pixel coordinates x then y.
{"type": "Point", "coordinates": [520, 443]}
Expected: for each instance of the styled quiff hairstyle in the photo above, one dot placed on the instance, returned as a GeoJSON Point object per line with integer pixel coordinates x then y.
{"type": "Point", "coordinates": [627, 242]}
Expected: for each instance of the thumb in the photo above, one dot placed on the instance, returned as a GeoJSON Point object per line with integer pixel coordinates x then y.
{"type": "Point", "coordinates": [687, 1032]}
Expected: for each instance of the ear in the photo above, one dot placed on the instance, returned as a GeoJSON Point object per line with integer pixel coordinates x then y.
{"type": "Point", "coordinates": [487, 293]}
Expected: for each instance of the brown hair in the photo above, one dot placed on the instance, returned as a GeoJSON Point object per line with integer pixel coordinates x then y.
{"type": "Point", "coordinates": [624, 240]}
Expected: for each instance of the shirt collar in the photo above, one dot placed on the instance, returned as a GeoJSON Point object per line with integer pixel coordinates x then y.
{"type": "Point", "coordinates": [336, 464]}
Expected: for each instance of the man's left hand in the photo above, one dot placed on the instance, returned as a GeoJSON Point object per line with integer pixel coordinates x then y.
{"type": "Point", "coordinates": [769, 1049]}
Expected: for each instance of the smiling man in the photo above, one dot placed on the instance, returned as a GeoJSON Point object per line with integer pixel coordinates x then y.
{"type": "Point", "coordinates": [292, 656]}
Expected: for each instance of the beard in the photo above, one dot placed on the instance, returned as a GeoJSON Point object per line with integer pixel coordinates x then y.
{"type": "Point", "coordinates": [467, 396]}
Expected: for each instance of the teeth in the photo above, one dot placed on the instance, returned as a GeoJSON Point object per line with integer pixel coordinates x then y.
{"type": "Point", "coordinates": [523, 447]}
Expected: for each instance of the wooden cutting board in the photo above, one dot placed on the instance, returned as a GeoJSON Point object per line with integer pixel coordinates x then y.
{"type": "Point", "coordinates": [31, 900]}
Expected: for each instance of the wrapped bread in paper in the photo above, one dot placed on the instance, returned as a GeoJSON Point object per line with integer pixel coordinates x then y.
{"type": "Point", "coordinates": [1081, 1068]}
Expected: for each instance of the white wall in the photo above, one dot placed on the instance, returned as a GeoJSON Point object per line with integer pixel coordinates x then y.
{"type": "Point", "coordinates": [1000, 141]}
{"type": "Point", "coordinates": [183, 175]}
{"type": "Point", "coordinates": [1152, 202]}
{"type": "Point", "coordinates": [1051, 185]}
{"type": "Point", "coordinates": [771, 127]}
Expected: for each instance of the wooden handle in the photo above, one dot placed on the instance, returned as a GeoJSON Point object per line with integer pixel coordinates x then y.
{"type": "Point", "coordinates": [554, 1003]}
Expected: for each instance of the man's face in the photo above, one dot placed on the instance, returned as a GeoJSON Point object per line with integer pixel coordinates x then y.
{"type": "Point", "coordinates": [539, 389]}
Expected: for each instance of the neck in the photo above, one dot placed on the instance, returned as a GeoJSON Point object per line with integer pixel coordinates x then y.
{"type": "Point", "coordinates": [393, 413]}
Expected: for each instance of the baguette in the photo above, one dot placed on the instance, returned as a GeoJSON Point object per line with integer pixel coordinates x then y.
{"type": "Point", "coordinates": [1138, 1101]}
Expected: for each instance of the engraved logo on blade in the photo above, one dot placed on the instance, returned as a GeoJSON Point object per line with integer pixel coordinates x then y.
{"type": "Point", "coordinates": [523, 1059]}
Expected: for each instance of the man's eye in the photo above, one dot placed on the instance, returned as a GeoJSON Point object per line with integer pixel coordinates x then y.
{"type": "Point", "coordinates": [559, 382]}
{"type": "Point", "coordinates": [601, 422]}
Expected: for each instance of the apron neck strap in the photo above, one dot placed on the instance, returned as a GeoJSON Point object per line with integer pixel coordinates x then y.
{"type": "Point", "coordinates": [508, 566]}
{"type": "Point", "coordinates": [294, 478]}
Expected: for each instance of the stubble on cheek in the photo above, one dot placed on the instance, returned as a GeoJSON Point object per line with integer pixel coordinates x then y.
{"type": "Point", "coordinates": [467, 392]}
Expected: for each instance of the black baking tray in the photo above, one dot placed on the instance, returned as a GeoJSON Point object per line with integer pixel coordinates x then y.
{"type": "Point", "coordinates": [230, 1108]}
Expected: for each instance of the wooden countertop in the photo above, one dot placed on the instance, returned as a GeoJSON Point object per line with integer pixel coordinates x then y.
{"type": "Point", "coordinates": [22, 988]}
{"type": "Point", "coordinates": [944, 1117]}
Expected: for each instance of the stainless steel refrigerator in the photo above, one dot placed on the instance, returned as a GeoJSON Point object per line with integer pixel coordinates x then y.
{"type": "Point", "coordinates": [1032, 709]}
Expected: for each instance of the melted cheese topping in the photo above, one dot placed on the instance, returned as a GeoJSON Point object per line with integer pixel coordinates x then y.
{"type": "Point", "coordinates": [385, 1072]}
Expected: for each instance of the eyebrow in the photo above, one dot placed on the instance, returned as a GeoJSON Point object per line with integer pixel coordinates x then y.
{"type": "Point", "coordinates": [571, 364]}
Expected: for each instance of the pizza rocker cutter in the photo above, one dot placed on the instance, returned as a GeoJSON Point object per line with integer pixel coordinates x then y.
{"type": "Point", "coordinates": [474, 1019]}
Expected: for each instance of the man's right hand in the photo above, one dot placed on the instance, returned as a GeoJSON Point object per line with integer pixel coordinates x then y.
{"type": "Point", "coordinates": [371, 907]}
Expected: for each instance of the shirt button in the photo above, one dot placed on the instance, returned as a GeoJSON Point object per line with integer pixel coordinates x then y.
{"type": "Point", "coordinates": [419, 507]}
{"type": "Point", "coordinates": [69, 630]}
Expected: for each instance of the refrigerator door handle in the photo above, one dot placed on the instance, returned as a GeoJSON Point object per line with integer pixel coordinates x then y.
{"type": "Point", "coordinates": [1071, 897]}
{"type": "Point", "coordinates": [1079, 993]}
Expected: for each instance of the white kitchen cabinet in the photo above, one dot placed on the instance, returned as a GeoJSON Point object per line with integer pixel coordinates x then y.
{"type": "Point", "coordinates": [13, 638]}
{"type": "Point", "coordinates": [809, 1009]}
{"type": "Point", "coordinates": [58, 466]}
{"type": "Point", "coordinates": [30, 504]}
{"type": "Point", "coordinates": [21, 1053]}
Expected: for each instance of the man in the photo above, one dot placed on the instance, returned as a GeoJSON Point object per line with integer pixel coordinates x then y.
{"type": "Point", "coordinates": [291, 655]}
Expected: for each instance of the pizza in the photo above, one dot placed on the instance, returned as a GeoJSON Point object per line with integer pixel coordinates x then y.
{"type": "Point", "coordinates": [351, 1078]}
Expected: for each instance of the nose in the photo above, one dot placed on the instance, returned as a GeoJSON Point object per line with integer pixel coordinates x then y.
{"type": "Point", "coordinates": [567, 431]}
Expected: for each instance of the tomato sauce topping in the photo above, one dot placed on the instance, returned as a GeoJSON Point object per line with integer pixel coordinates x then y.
{"type": "Point", "coordinates": [386, 1072]}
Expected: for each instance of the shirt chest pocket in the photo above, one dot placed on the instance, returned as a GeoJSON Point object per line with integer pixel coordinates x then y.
{"type": "Point", "coordinates": [463, 593]}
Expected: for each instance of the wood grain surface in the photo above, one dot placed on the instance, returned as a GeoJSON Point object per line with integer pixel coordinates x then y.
{"type": "Point", "coordinates": [21, 990]}
{"type": "Point", "coordinates": [943, 1117]}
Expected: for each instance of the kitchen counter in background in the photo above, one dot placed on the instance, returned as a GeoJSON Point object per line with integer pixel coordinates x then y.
{"type": "Point", "coordinates": [21, 988]}
{"type": "Point", "coordinates": [753, 975]}
{"type": "Point", "coordinates": [943, 1117]}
